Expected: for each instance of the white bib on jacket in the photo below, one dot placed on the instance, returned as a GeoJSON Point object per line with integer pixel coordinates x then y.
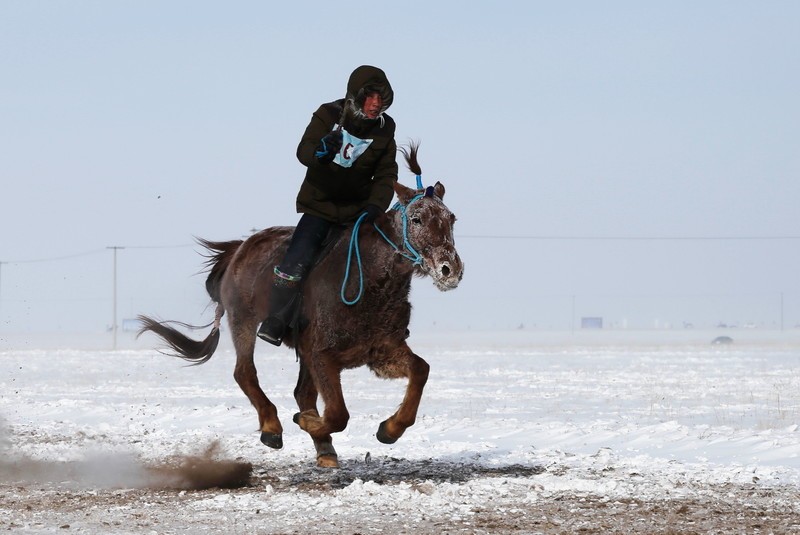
{"type": "Point", "coordinates": [352, 148]}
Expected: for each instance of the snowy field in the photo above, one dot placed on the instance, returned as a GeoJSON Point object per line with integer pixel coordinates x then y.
{"type": "Point", "coordinates": [517, 433]}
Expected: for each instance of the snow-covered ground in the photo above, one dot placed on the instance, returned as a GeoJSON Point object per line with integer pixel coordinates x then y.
{"type": "Point", "coordinates": [516, 433]}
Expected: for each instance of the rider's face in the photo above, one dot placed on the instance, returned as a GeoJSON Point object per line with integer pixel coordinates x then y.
{"type": "Point", "coordinates": [372, 105]}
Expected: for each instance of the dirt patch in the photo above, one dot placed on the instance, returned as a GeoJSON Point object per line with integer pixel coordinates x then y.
{"type": "Point", "coordinates": [303, 499]}
{"type": "Point", "coordinates": [146, 511]}
{"type": "Point", "coordinates": [570, 514]}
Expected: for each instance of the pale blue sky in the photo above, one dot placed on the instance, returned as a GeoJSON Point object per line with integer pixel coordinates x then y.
{"type": "Point", "coordinates": [147, 123]}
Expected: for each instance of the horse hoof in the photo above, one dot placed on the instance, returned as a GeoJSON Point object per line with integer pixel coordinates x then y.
{"type": "Point", "coordinates": [383, 436]}
{"type": "Point", "coordinates": [296, 418]}
{"type": "Point", "coordinates": [328, 461]}
{"type": "Point", "coordinates": [273, 440]}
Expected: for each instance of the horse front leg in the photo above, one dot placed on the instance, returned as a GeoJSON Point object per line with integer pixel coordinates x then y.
{"type": "Point", "coordinates": [402, 362]}
{"type": "Point", "coordinates": [247, 378]}
{"type": "Point", "coordinates": [325, 376]}
{"type": "Point", "coordinates": [305, 393]}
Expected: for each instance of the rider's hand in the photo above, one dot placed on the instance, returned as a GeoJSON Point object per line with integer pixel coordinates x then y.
{"type": "Point", "coordinates": [373, 212]}
{"type": "Point", "coordinates": [328, 147]}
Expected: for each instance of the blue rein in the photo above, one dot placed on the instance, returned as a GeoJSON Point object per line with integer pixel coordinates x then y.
{"type": "Point", "coordinates": [354, 246]}
{"type": "Point", "coordinates": [412, 253]}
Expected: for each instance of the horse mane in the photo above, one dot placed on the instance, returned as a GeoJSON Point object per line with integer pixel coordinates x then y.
{"type": "Point", "coordinates": [410, 155]}
{"type": "Point", "coordinates": [220, 254]}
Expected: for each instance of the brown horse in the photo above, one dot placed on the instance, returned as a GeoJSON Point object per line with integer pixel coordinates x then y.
{"type": "Point", "coordinates": [329, 335]}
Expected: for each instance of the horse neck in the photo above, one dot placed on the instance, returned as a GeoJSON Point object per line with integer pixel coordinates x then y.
{"type": "Point", "coordinates": [383, 255]}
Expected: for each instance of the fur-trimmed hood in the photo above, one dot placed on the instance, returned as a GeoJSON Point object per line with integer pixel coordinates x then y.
{"type": "Point", "coordinates": [363, 80]}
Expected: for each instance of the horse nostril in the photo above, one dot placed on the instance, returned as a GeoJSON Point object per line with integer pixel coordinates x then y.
{"type": "Point", "coordinates": [445, 271]}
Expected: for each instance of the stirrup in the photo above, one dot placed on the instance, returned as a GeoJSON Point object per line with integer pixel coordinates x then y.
{"type": "Point", "coordinates": [272, 330]}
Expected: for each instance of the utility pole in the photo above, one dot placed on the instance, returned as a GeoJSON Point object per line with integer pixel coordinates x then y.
{"type": "Point", "coordinates": [1, 293]}
{"type": "Point", "coordinates": [114, 305]}
{"type": "Point", "coordinates": [572, 317]}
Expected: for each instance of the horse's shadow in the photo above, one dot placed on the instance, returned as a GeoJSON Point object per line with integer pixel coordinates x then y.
{"type": "Point", "coordinates": [384, 471]}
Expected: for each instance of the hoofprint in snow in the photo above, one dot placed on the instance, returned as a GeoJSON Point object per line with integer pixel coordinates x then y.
{"type": "Point", "coordinates": [506, 423]}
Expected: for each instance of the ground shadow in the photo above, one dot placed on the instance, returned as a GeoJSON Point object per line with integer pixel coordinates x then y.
{"type": "Point", "coordinates": [383, 471]}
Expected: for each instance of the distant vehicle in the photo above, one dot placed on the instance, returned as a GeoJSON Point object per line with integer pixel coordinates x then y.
{"type": "Point", "coordinates": [722, 340]}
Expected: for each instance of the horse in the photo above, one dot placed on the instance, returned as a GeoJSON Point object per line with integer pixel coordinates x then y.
{"type": "Point", "coordinates": [332, 332]}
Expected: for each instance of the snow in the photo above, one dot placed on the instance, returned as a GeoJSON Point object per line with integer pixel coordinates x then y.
{"type": "Point", "coordinates": [506, 418]}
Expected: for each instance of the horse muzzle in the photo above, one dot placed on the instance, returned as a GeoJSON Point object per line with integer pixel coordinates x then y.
{"type": "Point", "coordinates": [447, 271]}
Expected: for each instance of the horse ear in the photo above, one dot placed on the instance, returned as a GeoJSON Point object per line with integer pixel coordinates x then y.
{"type": "Point", "coordinates": [404, 194]}
{"type": "Point", "coordinates": [438, 189]}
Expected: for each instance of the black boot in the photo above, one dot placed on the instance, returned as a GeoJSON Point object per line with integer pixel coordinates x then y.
{"type": "Point", "coordinates": [282, 299]}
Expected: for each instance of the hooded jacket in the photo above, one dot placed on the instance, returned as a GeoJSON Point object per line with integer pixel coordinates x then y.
{"type": "Point", "coordinates": [339, 194]}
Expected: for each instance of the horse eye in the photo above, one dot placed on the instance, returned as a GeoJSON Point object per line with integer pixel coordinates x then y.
{"type": "Point", "coordinates": [416, 220]}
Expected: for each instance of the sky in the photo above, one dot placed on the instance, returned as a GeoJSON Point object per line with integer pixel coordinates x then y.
{"type": "Point", "coordinates": [632, 161]}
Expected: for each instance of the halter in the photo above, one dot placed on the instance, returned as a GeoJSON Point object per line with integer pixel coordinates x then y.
{"type": "Point", "coordinates": [412, 254]}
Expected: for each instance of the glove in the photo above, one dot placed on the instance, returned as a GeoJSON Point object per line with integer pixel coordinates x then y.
{"type": "Point", "coordinates": [329, 147]}
{"type": "Point", "coordinates": [373, 212]}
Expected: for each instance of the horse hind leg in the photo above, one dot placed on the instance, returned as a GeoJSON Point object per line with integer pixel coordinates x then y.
{"type": "Point", "coordinates": [305, 393]}
{"type": "Point", "coordinates": [247, 378]}
{"type": "Point", "coordinates": [326, 453]}
{"type": "Point", "coordinates": [402, 362]}
{"type": "Point", "coordinates": [321, 376]}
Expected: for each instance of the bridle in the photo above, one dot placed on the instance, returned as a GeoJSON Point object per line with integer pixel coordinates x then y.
{"type": "Point", "coordinates": [408, 250]}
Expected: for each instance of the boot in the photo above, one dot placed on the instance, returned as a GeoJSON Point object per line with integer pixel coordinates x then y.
{"type": "Point", "coordinates": [282, 299]}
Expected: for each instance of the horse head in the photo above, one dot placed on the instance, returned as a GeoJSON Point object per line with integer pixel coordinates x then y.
{"type": "Point", "coordinates": [429, 230]}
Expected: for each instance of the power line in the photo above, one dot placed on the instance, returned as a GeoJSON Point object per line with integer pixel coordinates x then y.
{"type": "Point", "coordinates": [627, 238]}
{"type": "Point", "coordinates": [54, 258]}
{"type": "Point", "coordinates": [181, 246]}
{"type": "Point", "coordinates": [93, 252]}
{"type": "Point", "coordinates": [460, 236]}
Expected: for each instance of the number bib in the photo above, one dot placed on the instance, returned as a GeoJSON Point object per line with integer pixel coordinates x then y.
{"type": "Point", "coordinates": [352, 148]}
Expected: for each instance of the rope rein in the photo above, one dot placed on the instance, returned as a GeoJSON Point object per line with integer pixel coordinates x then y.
{"type": "Point", "coordinates": [412, 254]}
{"type": "Point", "coordinates": [354, 247]}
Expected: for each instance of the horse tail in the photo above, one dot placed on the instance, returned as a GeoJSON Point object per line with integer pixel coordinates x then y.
{"type": "Point", "coordinates": [220, 254]}
{"type": "Point", "coordinates": [198, 352]}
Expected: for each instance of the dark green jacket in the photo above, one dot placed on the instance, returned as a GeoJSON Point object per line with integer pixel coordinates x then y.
{"type": "Point", "coordinates": [340, 194]}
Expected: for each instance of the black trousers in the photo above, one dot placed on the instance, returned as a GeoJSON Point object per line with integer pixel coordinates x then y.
{"type": "Point", "coordinates": [308, 237]}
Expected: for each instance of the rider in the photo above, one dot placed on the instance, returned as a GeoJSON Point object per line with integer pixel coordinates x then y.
{"type": "Point", "coordinates": [350, 152]}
